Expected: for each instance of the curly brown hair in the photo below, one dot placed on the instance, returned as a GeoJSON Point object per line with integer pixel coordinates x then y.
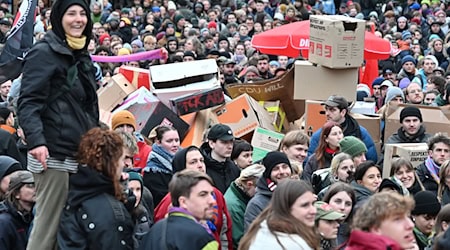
{"type": "Point", "coordinates": [101, 149]}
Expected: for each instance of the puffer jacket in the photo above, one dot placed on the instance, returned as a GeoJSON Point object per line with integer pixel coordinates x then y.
{"type": "Point", "coordinates": [48, 114]}
{"type": "Point", "coordinates": [93, 218]}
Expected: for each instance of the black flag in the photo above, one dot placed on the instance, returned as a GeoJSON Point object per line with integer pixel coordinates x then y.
{"type": "Point", "coordinates": [18, 42]}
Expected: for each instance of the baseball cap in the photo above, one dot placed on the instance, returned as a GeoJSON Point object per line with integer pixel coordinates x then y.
{"type": "Point", "coordinates": [326, 212]}
{"type": "Point", "coordinates": [387, 83]}
{"type": "Point", "coordinates": [336, 101]}
{"type": "Point", "coordinates": [220, 132]}
{"type": "Point", "coordinates": [20, 177]}
{"type": "Point", "coordinates": [229, 61]}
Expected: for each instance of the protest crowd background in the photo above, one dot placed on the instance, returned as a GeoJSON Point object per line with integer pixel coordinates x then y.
{"type": "Point", "coordinates": [224, 124]}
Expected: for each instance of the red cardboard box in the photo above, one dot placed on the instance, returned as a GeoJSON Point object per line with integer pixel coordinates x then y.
{"type": "Point", "coordinates": [195, 102]}
{"type": "Point", "coordinates": [137, 76]}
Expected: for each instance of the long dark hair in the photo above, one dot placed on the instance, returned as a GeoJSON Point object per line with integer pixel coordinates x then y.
{"type": "Point", "coordinates": [320, 151]}
{"type": "Point", "coordinates": [279, 218]}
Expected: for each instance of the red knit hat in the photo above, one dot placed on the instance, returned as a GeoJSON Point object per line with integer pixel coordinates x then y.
{"type": "Point", "coordinates": [212, 24]}
{"type": "Point", "coordinates": [103, 37]}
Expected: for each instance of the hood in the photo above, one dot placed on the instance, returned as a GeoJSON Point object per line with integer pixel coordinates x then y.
{"type": "Point", "coordinates": [209, 161]}
{"type": "Point", "coordinates": [361, 192]}
{"type": "Point", "coordinates": [411, 139]}
{"type": "Point", "coordinates": [179, 160]}
{"type": "Point", "coordinates": [86, 184]}
{"type": "Point", "coordinates": [351, 127]}
{"type": "Point", "coordinates": [8, 165]}
{"type": "Point", "coordinates": [262, 187]}
{"type": "Point", "coordinates": [358, 240]}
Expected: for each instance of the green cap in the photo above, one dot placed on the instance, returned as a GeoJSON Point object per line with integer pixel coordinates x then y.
{"type": "Point", "coordinates": [325, 212]}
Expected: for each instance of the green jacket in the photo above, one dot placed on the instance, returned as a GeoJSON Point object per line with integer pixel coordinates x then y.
{"type": "Point", "coordinates": [236, 201]}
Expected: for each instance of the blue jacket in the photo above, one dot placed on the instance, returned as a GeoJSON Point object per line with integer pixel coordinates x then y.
{"type": "Point", "coordinates": [365, 137]}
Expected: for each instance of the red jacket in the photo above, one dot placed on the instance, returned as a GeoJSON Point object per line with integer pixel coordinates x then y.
{"type": "Point", "coordinates": [220, 211]}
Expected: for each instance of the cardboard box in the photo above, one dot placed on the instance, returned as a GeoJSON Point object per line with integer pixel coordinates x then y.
{"type": "Point", "coordinates": [435, 119]}
{"type": "Point", "coordinates": [336, 41]}
{"type": "Point", "coordinates": [137, 76]}
{"type": "Point", "coordinates": [105, 117]}
{"type": "Point", "coordinates": [315, 82]}
{"type": "Point", "coordinates": [243, 114]}
{"type": "Point", "coordinates": [315, 116]}
{"type": "Point", "coordinates": [416, 153]}
{"type": "Point", "coordinates": [279, 88]}
{"type": "Point", "coordinates": [114, 92]}
{"type": "Point", "coordinates": [151, 112]}
{"type": "Point", "coordinates": [372, 123]}
{"type": "Point", "coordinates": [180, 74]}
{"type": "Point", "coordinates": [264, 141]}
{"type": "Point", "coordinates": [365, 108]}
{"type": "Point", "coordinates": [277, 114]}
{"type": "Point", "coordinates": [197, 101]}
{"type": "Point", "coordinates": [204, 120]}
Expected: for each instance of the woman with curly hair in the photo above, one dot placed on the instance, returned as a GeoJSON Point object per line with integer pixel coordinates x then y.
{"type": "Point", "coordinates": [287, 223]}
{"type": "Point", "coordinates": [96, 196]}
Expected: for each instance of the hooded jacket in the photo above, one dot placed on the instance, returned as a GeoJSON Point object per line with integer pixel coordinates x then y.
{"type": "Point", "coordinates": [93, 218]}
{"type": "Point", "coordinates": [360, 240]}
{"type": "Point", "coordinates": [55, 109]}
{"type": "Point", "coordinates": [14, 227]}
{"type": "Point", "coordinates": [8, 146]}
{"type": "Point", "coordinates": [258, 203]}
{"type": "Point", "coordinates": [362, 194]}
{"type": "Point", "coordinates": [7, 166]}
{"type": "Point", "coordinates": [222, 173]}
{"type": "Point", "coordinates": [349, 127]}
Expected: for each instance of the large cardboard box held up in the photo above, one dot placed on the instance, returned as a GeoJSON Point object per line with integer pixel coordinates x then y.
{"type": "Point", "coordinates": [370, 122]}
{"type": "Point", "coordinates": [277, 114]}
{"type": "Point", "coordinates": [137, 76]}
{"type": "Point", "coordinates": [435, 119]}
{"type": "Point", "coordinates": [264, 141]}
{"type": "Point", "coordinates": [150, 112]}
{"type": "Point", "coordinates": [336, 41]}
{"type": "Point", "coordinates": [318, 83]}
{"type": "Point", "coordinates": [114, 92]}
{"type": "Point", "coordinates": [279, 88]}
{"type": "Point", "coordinates": [416, 153]}
{"type": "Point", "coordinates": [243, 114]}
{"type": "Point", "coordinates": [204, 120]}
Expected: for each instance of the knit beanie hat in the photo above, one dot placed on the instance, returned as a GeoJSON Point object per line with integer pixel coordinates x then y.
{"type": "Point", "coordinates": [103, 37]}
{"type": "Point", "coordinates": [377, 81]}
{"type": "Point", "coordinates": [426, 203]}
{"type": "Point", "coordinates": [177, 19]}
{"type": "Point", "coordinates": [133, 176]}
{"type": "Point", "coordinates": [212, 24]}
{"type": "Point", "coordinates": [137, 43]}
{"type": "Point", "coordinates": [272, 159]}
{"type": "Point", "coordinates": [406, 35]}
{"type": "Point", "coordinates": [59, 8]}
{"type": "Point", "coordinates": [123, 51]}
{"type": "Point", "coordinates": [123, 117]}
{"type": "Point", "coordinates": [393, 92]}
{"type": "Point", "coordinates": [352, 146]}
{"type": "Point", "coordinates": [410, 111]}
{"type": "Point", "coordinates": [408, 58]}
{"type": "Point", "coordinates": [404, 82]}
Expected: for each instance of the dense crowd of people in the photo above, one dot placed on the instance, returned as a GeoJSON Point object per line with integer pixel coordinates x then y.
{"type": "Point", "coordinates": [68, 181]}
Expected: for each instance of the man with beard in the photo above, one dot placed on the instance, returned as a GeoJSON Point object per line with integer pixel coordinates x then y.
{"type": "Point", "coordinates": [414, 93]}
{"type": "Point", "coordinates": [438, 153]}
{"type": "Point", "coordinates": [228, 72]}
{"type": "Point", "coordinates": [336, 109]}
{"type": "Point", "coordinates": [217, 151]}
{"type": "Point", "coordinates": [412, 130]}
{"type": "Point", "coordinates": [278, 169]}
{"type": "Point", "coordinates": [191, 192]}
{"type": "Point", "coordinates": [263, 67]}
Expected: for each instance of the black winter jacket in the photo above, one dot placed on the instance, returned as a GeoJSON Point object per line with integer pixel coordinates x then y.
{"type": "Point", "coordinates": [222, 173]}
{"type": "Point", "coordinates": [14, 227]}
{"type": "Point", "coordinates": [93, 218]}
{"type": "Point", "coordinates": [48, 114]}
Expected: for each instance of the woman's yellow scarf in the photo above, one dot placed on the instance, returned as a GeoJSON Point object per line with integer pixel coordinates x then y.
{"type": "Point", "coordinates": [75, 42]}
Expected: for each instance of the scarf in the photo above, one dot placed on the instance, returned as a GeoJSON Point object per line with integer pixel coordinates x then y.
{"type": "Point", "coordinates": [433, 168]}
{"type": "Point", "coordinates": [179, 210]}
{"type": "Point", "coordinates": [271, 185]}
{"type": "Point", "coordinates": [425, 240]}
{"type": "Point", "coordinates": [76, 43]}
{"type": "Point", "coordinates": [331, 151]}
